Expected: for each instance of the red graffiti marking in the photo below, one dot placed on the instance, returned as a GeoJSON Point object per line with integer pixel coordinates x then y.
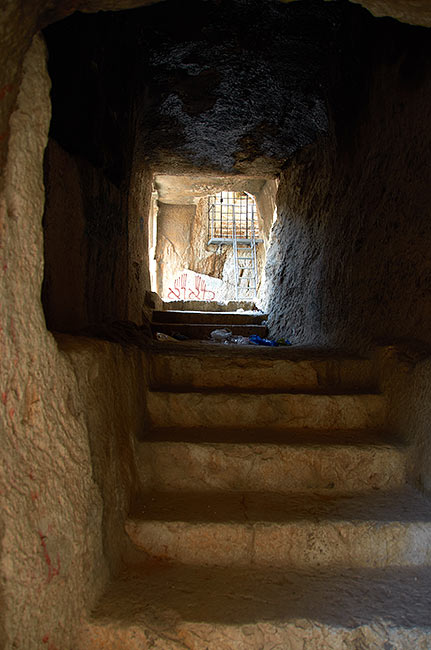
{"type": "Point", "coordinates": [196, 294]}
{"type": "Point", "coordinates": [11, 412]}
{"type": "Point", "coordinates": [175, 293]}
{"type": "Point", "coordinates": [52, 570]}
{"type": "Point", "coordinates": [5, 90]}
{"type": "Point", "coordinates": [4, 267]}
{"type": "Point", "coordinates": [12, 329]}
{"type": "Point", "coordinates": [200, 291]}
{"type": "Point", "coordinates": [201, 288]}
{"type": "Point", "coordinates": [51, 646]}
{"type": "Point", "coordinates": [207, 291]}
{"type": "Point", "coordinates": [4, 398]}
{"type": "Point", "coordinates": [184, 284]}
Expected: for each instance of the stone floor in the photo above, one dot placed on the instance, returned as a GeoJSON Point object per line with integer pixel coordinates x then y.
{"type": "Point", "coordinates": [177, 607]}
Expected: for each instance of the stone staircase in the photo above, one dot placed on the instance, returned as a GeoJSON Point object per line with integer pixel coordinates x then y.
{"type": "Point", "coordinates": [274, 513]}
{"type": "Point", "coordinates": [199, 324]}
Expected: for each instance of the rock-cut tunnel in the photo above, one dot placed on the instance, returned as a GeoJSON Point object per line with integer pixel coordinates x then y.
{"type": "Point", "coordinates": [165, 496]}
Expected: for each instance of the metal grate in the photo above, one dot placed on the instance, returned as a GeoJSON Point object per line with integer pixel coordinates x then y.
{"type": "Point", "coordinates": [229, 212]}
{"type": "Point", "coordinates": [232, 220]}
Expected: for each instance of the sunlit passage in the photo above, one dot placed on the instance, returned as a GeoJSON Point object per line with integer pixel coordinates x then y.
{"type": "Point", "coordinates": [210, 246]}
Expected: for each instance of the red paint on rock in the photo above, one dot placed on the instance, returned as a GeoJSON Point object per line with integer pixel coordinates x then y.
{"type": "Point", "coordinates": [52, 570]}
{"type": "Point", "coordinates": [5, 90]}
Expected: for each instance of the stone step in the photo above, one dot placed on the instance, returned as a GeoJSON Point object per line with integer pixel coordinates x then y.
{"type": "Point", "coordinates": [271, 410]}
{"type": "Point", "coordinates": [174, 460]}
{"type": "Point", "coordinates": [203, 331]}
{"type": "Point", "coordinates": [209, 317]}
{"type": "Point", "coordinates": [259, 368]}
{"type": "Point", "coordinates": [301, 530]}
{"type": "Point", "coordinates": [208, 305]}
{"type": "Point", "coordinates": [167, 607]}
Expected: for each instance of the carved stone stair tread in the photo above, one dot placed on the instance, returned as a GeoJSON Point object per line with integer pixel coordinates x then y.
{"type": "Point", "coordinates": [282, 436]}
{"type": "Point", "coordinates": [271, 460]}
{"type": "Point", "coordinates": [297, 530]}
{"type": "Point", "coordinates": [403, 506]}
{"type": "Point", "coordinates": [171, 607]}
{"type": "Point", "coordinates": [208, 317]}
{"type": "Point", "coordinates": [203, 331]}
{"type": "Point", "coordinates": [197, 409]}
{"type": "Point", "coordinates": [293, 353]}
{"type": "Point", "coordinates": [331, 391]}
{"type": "Point", "coordinates": [257, 368]}
{"type": "Point", "coordinates": [209, 306]}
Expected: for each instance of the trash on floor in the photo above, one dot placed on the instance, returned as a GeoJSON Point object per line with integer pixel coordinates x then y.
{"type": "Point", "coordinates": [258, 340]}
{"type": "Point", "coordinates": [221, 336]}
{"type": "Point", "coordinates": [239, 340]}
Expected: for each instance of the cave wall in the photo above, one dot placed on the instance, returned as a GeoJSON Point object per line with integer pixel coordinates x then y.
{"type": "Point", "coordinates": [405, 378]}
{"type": "Point", "coordinates": [70, 410]}
{"type": "Point", "coordinates": [97, 194]}
{"type": "Point", "coordinates": [349, 261]}
{"type": "Point", "coordinates": [95, 243]}
{"type": "Point", "coordinates": [174, 227]}
{"type": "Point", "coordinates": [138, 224]}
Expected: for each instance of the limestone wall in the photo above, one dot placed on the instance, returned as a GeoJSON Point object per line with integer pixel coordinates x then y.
{"type": "Point", "coordinates": [349, 261]}
{"type": "Point", "coordinates": [69, 411]}
{"type": "Point", "coordinates": [97, 193]}
{"type": "Point", "coordinates": [95, 243]}
{"type": "Point", "coordinates": [406, 381]}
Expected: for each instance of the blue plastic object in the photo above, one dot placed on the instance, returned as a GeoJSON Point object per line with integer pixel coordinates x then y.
{"type": "Point", "coordinates": [258, 340]}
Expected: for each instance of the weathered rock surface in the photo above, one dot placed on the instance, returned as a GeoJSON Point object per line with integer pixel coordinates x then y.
{"type": "Point", "coordinates": [68, 409]}
{"type": "Point", "coordinates": [211, 608]}
{"type": "Point", "coordinates": [247, 460]}
{"type": "Point", "coordinates": [417, 12]}
{"type": "Point", "coordinates": [349, 261]}
{"type": "Point", "coordinates": [299, 530]}
{"type": "Point", "coordinates": [284, 369]}
{"type": "Point", "coordinates": [71, 408]}
{"type": "Point", "coordinates": [194, 409]}
{"type": "Point", "coordinates": [259, 538]}
{"type": "Point", "coordinates": [406, 379]}
{"type": "Point", "coordinates": [18, 28]}
{"type": "Point", "coordinates": [97, 194]}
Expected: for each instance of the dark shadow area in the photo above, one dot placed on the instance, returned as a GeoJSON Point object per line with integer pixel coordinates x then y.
{"type": "Point", "coordinates": [397, 596]}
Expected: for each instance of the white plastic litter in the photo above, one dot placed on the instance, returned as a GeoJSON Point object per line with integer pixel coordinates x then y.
{"type": "Point", "coordinates": [239, 340]}
{"type": "Point", "coordinates": [221, 335]}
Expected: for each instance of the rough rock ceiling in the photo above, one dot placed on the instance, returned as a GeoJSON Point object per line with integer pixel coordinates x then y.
{"type": "Point", "coordinates": [416, 12]}
{"type": "Point", "coordinates": [226, 88]}
{"type": "Point", "coordinates": [177, 190]}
